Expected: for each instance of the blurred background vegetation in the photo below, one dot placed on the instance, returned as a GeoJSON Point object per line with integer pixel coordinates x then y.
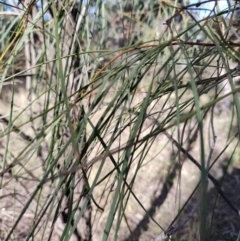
{"type": "Point", "coordinates": [119, 120]}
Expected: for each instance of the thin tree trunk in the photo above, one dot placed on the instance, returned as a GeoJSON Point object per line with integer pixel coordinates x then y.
{"type": "Point", "coordinates": [74, 201]}
{"type": "Point", "coordinates": [76, 185]}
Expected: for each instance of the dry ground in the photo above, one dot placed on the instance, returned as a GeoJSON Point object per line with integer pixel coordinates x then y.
{"type": "Point", "coordinates": [164, 183]}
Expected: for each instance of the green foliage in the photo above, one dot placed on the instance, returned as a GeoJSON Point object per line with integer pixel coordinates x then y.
{"type": "Point", "coordinates": [102, 89]}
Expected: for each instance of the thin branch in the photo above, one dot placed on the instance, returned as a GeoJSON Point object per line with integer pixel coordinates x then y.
{"type": "Point", "coordinates": [16, 129]}
{"type": "Point", "coordinates": [214, 181]}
